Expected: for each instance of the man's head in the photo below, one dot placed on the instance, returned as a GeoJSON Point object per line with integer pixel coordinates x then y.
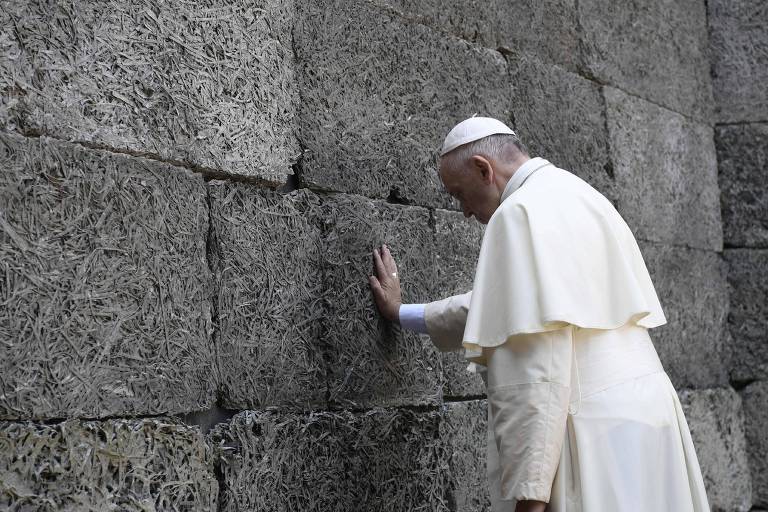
{"type": "Point", "coordinates": [478, 158]}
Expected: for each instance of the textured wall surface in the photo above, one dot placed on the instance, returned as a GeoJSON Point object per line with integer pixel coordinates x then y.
{"type": "Point", "coordinates": [159, 258]}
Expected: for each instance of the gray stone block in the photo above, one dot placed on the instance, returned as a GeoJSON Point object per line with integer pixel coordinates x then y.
{"type": "Point", "coordinates": [105, 285]}
{"type": "Point", "coordinates": [666, 173]}
{"type": "Point", "coordinates": [716, 422]}
{"type": "Point", "coordinates": [373, 362]}
{"type": "Point", "coordinates": [267, 256]}
{"type": "Point", "coordinates": [742, 155]}
{"type": "Point", "coordinates": [380, 460]}
{"type": "Point", "coordinates": [379, 95]}
{"type": "Point", "coordinates": [128, 465]}
{"type": "Point", "coordinates": [514, 26]}
{"type": "Point", "coordinates": [738, 41]}
{"type": "Point", "coordinates": [755, 403]}
{"type": "Point", "coordinates": [464, 429]}
{"type": "Point", "coordinates": [748, 314]}
{"type": "Point", "coordinates": [210, 84]}
{"type": "Point", "coordinates": [457, 248]}
{"type": "Point", "coordinates": [691, 285]}
{"type": "Point", "coordinates": [656, 50]}
{"type": "Point", "coordinates": [561, 116]}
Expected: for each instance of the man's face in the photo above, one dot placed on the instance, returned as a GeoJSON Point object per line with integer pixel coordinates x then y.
{"type": "Point", "coordinates": [473, 187]}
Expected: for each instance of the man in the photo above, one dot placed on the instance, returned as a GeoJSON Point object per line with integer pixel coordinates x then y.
{"type": "Point", "coordinates": [582, 416]}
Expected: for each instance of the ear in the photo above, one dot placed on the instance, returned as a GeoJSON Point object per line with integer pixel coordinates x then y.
{"type": "Point", "coordinates": [483, 166]}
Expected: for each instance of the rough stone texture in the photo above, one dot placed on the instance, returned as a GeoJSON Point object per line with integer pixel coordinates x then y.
{"type": "Point", "coordinates": [716, 422]}
{"type": "Point", "coordinates": [209, 83]}
{"type": "Point", "coordinates": [561, 117]}
{"type": "Point", "coordinates": [666, 173]}
{"type": "Point", "coordinates": [266, 256]}
{"type": "Point", "coordinates": [465, 430]}
{"type": "Point", "coordinates": [755, 402]}
{"type": "Point", "coordinates": [503, 24]}
{"type": "Point", "coordinates": [692, 288]}
{"type": "Point", "coordinates": [654, 49]}
{"type": "Point", "coordinates": [104, 284]}
{"type": "Point", "coordinates": [739, 59]}
{"type": "Point", "coordinates": [128, 465]}
{"type": "Point", "coordinates": [457, 249]}
{"type": "Point", "coordinates": [742, 155]}
{"type": "Point", "coordinates": [372, 362]}
{"type": "Point", "coordinates": [748, 314]}
{"type": "Point", "coordinates": [381, 460]}
{"type": "Point", "coordinates": [379, 95]}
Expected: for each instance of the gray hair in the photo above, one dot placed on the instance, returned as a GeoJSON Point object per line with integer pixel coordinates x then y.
{"type": "Point", "coordinates": [491, 147]}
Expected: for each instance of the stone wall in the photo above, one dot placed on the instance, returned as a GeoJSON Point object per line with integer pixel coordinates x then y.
{"type": "Point", "coordinates": [739, 53]}
{"type": "Point", "coordinates": [191, 192]}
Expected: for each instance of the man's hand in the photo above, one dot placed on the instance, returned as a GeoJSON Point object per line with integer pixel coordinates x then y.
{"type": "Point", "coordinates": [531, 506]}
{"type": "Point", "coordinates": [386, 284]}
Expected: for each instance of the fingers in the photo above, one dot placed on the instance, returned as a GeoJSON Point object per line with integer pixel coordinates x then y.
{"type": "Point", "coordinates": [375, 286]}
{"type": "Point", "coordinates": [388, 260]}
{"type": "Point", "coordinates": [381, 270]}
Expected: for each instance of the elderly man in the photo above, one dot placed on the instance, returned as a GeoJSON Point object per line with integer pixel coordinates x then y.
{"type": "Point", "coordinates": [582, 416]}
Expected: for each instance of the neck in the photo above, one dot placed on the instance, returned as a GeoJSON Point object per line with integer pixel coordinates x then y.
{"type": "Point", "coordinates": [505, 172]}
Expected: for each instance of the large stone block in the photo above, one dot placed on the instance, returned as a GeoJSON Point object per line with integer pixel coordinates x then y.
{"type": "Point", "coordinates": [457, 248]}
{"type": "Point", "coordinates": [666, 173]}
{"type": "Point", "coordinates": [656, 49]}
{"type": "Point", "coordinates": [464, 429]}
{"type": "Point", "coordinates": [267, 257]}
{"type": "Point", "coordinates": [379, 95]}
{"type": "Point", "coordinates": [561, 117]}
{"type": "Point", "coordinates": [742, 155]}
{"type": "Point", "coordinates": [516, 26]}
{"type": "Point", "coordinates": [748, 314]}
{"type": "Point", "coordinates": [210, 84]}
{"type": "Point", "coordinates": [105, 285]}
{"type": "Point", "coordinates": [691, 285]}
{"type": "Point", "coordinates": [128, 465]}
{"type": "Point", "coordinates": [716, 422]}
{"type": "Point", "coordinates": [739, 58]}
{"type": "Point", "coordinates": [379, 460]}
{"type": "Point", "coordinates": [372, 362]}
{"type": "Point", "coordinates": [755, 402]}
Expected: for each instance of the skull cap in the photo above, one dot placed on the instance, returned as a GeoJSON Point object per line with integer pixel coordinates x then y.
{"type": "Point", "coordinates": [472, 129]}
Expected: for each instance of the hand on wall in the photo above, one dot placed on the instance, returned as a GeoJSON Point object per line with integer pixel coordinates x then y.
{"type": "Point", "coordinates": [386, 284]}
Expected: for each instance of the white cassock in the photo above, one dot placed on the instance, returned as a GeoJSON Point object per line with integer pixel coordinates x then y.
{"type": "Point", "coordinates": [581, 412]}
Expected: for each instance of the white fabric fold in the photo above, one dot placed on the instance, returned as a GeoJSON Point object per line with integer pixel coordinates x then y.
{"type": "Point", "coordinates": [556, 252]}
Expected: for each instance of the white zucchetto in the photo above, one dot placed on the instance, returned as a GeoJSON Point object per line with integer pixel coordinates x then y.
{"type": "Point", "coordinates": [472, 129]}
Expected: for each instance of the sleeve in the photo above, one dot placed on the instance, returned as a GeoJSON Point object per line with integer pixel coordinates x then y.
{"type": "Point", "coordinates": [529, 380]}
{"type": "Point", "coordinates": [445, 320]}
{"type": "Point", "coordinates": [411, 317]}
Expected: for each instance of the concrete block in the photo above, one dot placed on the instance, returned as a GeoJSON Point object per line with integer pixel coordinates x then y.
{"type": "Point", "coordinates": [755, 403]}
{"type": "Point", "coordinates": [738, 42]}
{"type": "Point", "coordinates": [748, 314]}
{"type": "Point", "coordinates": [502, 24]}
{"type": "Point", "coordinates": [267, 256]}
{"type": "Point", "coordinates": [128, 465]}
{"type": "Point", "coordinates": [657, 50]}
{"type": "Point", "coordinates": [742, 156]}
{"type": "Point", "coordinates": [464, 429]}
{"type": "Point", "coordinates": [373, 362]}
{"type": "Point", "coordinates": [380, 460]}
{"type": "Point", "coordinates": [561, 116]}
{"type": "Point", "coordinates": [666, 173]}
{"type": "Point", "coordinates": [210, 84]}
{"type": "Point", "coordinates": [691, 285]}
{"type": "Point", "coordinates": [457, 248]}
{"type": "Point", "coordinates": [106, 289]}
{"type": "Point", "coordinates": [379, 95]}
{"type": "Point", "coordinates": [716, 422]}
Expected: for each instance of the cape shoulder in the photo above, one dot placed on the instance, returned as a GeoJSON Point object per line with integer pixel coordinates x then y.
{"type": "Point", "coordinates": [556, 252]}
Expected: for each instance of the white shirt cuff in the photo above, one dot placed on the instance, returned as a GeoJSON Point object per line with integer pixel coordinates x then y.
{"type": "Point", "coordinates": [412, 317]}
